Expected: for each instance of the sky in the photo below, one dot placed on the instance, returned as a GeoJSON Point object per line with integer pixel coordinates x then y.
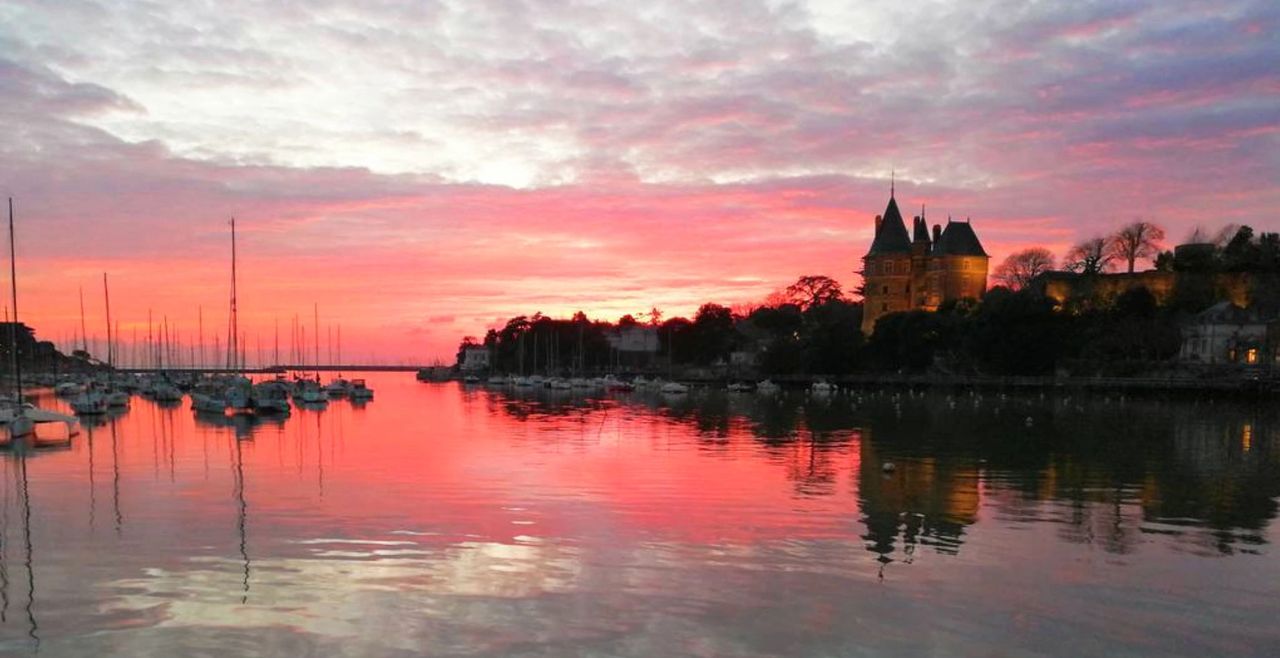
{"type": "Point", "coordinates": [416, 172]}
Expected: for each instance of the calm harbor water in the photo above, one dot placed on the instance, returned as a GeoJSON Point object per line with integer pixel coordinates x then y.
{"type": "Point", "coordinates": [449, 520]}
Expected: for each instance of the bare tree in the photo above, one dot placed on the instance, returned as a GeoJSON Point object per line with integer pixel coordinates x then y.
{"type": "Point", "coordinates": [814, 290]}
{"type": "Point", "coordinates": [1022, 266]}
{"type": "Point", "coordinates": [1093, 256]}
{"type": "Point", "coordinates": [1141, 239]}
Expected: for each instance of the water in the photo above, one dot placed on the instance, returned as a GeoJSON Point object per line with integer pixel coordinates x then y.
{"type": "Point", "coordinates": [443, 520]}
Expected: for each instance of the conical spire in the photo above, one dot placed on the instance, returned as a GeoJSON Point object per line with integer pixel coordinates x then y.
{"type": "Point", "coordinates": [891, 234]}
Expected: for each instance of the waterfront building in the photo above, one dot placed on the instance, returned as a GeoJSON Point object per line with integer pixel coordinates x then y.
{"type": "Point", "coordinates": [1228, 334]}
{"type": "Point", "coordinates": [919, 271]}
{"type": "Point", "coordinates": [474, 359]}
{"type": "Point", "coordinates": [634, 339]}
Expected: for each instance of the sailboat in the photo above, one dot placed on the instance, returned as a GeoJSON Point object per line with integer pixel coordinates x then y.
{"type": "Point", "coordinates": [312, 393]}
{"type": "Point", "coordinates": [90, 401]}
{"type": "Point", "coordinates": [19, 417]}
{"type": "Point", "coordinates": [212, 396]}
{"type": "Point", "coordinates": [116, 396]}
{"type": "Point", "coordinates": [15, 418]}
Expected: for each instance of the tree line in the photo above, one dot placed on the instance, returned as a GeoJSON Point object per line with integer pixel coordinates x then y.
{"type": "Point", "coordinates": [813, 327]}
{"type": "Point", "coordinates": [1234, 249]}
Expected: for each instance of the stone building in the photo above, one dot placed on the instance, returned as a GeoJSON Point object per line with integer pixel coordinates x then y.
{"type": "Point", "coordinates": [1228, 334]}
{"type": "Point", "coordinates": [918, 270]}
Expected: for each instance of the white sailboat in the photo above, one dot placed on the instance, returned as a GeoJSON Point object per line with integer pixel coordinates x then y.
{"type": "Point", "coordinates": [18, 417]}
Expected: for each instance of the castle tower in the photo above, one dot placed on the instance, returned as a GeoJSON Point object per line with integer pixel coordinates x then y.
{"type": "Point", "coordinates": [959, 265]}
{"type": "Point", "coordinates": [921, 250]}
{"type": "Point", "coordinates": [886, 269]}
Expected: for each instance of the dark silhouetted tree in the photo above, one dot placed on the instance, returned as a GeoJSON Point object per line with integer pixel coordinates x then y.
{"type": "Point", "coordinates": [712, 334]}
{"type": "Point", "coordinates": [1141, 239]}
{"type": "Point", "coordinates": [1021, 267]}
{"type": "Point", "coordinates": [810, 291]}
{"type": "Point", "coordinates": [1092, 256]}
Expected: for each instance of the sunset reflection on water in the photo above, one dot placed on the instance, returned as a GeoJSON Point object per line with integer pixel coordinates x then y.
{"type": "Point", "coordinates": [446, 519]}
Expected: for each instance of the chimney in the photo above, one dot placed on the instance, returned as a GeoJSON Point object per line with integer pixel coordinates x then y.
{"type": "Point", "coordinates": [937, 233]}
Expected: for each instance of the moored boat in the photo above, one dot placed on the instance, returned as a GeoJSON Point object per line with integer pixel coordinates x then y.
{"type": "Point", "coordinates": [360, 391]}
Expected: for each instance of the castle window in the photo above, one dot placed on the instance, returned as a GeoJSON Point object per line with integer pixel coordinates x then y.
{"type": "Point", "coordinates": [885, 290]}
{"type": "Point", "coordinates": [884, 307]}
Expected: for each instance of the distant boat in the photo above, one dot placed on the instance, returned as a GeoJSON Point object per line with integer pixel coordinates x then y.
{"type": "Point", "coordinates": [741, 387]}
{"type": "Point", "coordinates": [674, 388]}
{"type": "Point", "coordinates": [612, 383]}
{"type": "Point", "coordinates": [312, 393]}
{"type": "Point", "coordinates": [238, 394]}
{"type": "Point", "coordinates": [337, 388]}
{"type": "Point", "coordinates": [360, 392]}
{"type": "Point", "coordinates": [209, 396]}
{"type": "Point", "coordinates": [117, 399]}
{"type": "Point", "coordinates": [165, 391]}
{"type": "Point", "coordinates": [767, 387]}
{"type": "Point", "coordinates": [90, 402]}
{"type": "Point", "coordinates": [822, 388]}
{"type": "Point", "coordinates": [68, 389]}
{"type": "Point", "coordinates": [271, 397]}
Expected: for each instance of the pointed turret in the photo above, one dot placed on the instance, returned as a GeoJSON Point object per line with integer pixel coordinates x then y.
{"type": "Point", "coordinates": [921, 228]}
{"type": "Point", "coordinates": [891, 232]}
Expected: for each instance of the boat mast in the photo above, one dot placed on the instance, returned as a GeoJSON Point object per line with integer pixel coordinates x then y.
{"type": "Point", "coordinates": [233, 340]}
{"type": "Point", "coordinates": [106, 294]}
{"type": "Point", "coordinates": [200, 321]}
{"type": "Point", "coordinates": [13, 328]}
{"type": "Point", "coordinates": [84, 331]}
{"type": "Point", "coordinates": [316, 334]}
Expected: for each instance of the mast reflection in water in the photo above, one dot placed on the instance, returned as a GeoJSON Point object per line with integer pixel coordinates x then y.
{"type": "Point", "coordinates": [451, 519]}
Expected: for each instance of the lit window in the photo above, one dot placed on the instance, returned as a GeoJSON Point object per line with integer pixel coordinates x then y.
{"type": "Point", "coordinates": [1251, 356]}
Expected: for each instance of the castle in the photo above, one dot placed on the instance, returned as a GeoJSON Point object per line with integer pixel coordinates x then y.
{"type": "Point", "coordinates": [903, 272]}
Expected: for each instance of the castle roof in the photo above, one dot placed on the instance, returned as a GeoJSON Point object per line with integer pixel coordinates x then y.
{"type": "Point", "coordinates": [891, 233]}
{"type": "Point", "coordinates": [958, 239]}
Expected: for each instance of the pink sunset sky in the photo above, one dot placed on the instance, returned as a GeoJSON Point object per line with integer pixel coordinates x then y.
{"type": "Point", "coordinates": [422, 170]}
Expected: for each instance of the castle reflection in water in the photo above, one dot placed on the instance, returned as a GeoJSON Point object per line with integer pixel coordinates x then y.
{"type": "Point", "coordinates": [1108, 471]}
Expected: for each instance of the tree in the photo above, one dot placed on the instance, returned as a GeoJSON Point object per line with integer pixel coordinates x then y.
{"type": "Point", "coordinates": [1241, 253]}
{"type": "Point", "coordinates": [1022, 266]}
{"type": "Point", "coordinates": [1141, 239]}
{"type": "Point", "coordinates": [814, 290]}
{"type": "Point", "coordinates": [712, 334]}
{"type": "Point", "coordinates": [1016, 333]}
{"type": "Point", "coordinates": [1093, 256]}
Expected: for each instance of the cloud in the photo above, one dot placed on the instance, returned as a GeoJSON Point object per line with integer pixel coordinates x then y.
{"type": "Point", "coordinates": [480, 159]}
